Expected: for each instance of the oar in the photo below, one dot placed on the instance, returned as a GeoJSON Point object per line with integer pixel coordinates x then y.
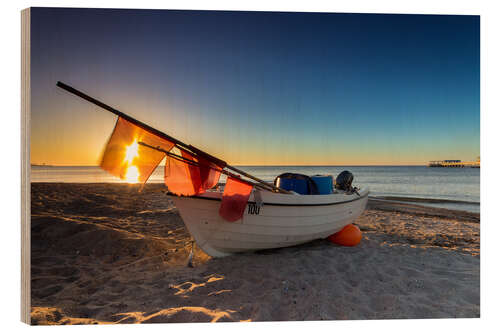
{"type": "Point", "coordinates": [182, 146]}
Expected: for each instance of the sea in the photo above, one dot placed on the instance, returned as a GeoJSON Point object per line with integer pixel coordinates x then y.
{"type": "Point", "coordinates": [451, 188]}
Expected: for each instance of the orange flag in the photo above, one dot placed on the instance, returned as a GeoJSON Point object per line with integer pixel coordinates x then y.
{"type": "Point", "coordinates": [182, 178]}
{"type": "Point", "coordinates": [125, 158]}
{"type": "Point", "coordinates": [209, 173]}
{"type": "Point", "coordinates": [187, 179]}
{"type": "Point", "coordinates": [234, 199]}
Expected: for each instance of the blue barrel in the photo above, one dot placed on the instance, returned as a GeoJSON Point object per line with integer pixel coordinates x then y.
{"type": "Point", "coordinates": [324, 183]}
{"type": "Point", "coordinates": [290, 184]}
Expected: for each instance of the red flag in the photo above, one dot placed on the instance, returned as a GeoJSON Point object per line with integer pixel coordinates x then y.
{"type": "Point", "coordinates": [234, 199]}
{"type": "Point", "coordinates": [125, 158]}
{"type": "Point", "coordinates": [209, 173]}
{"type": "Point", "coordinates": [184, 178]}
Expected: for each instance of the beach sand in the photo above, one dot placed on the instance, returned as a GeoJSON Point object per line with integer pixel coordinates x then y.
{"type": "Point", "coordinates": [105, 253]}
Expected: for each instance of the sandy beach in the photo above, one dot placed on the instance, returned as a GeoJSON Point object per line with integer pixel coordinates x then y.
{"type": "Point", "coordinates": [105, 253]}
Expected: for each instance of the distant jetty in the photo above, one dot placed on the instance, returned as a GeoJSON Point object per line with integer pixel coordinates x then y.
{"type": "Point", "coordinates": [454, 164]}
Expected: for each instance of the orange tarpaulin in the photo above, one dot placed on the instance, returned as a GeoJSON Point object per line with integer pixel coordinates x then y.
{"type": "Point", "coordinates": [234, 199]}
{"type": "Point", "coordinates": [184, 178]}
{"type": "Point", "coordinates": [125, 158]}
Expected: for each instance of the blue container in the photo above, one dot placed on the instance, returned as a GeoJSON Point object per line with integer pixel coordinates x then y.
{"type": "Point", "coordinates": [297, 185]}
{"type": "Point", "coordinates": [324, 183]}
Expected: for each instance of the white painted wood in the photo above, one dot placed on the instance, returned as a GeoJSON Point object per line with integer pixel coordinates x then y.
{"type": "Point", "coordinates": [278, 223]}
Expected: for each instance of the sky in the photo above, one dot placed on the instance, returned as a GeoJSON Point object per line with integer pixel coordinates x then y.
{"type": "Point", "coordinates": [259, 88]}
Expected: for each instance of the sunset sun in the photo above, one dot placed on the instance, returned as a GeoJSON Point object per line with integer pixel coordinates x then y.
{"type": "Point", "coordinates": [131, 152]}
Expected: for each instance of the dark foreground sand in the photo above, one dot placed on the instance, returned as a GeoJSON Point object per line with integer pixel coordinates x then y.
{"type": "Point", "coordinates": [104, 253]}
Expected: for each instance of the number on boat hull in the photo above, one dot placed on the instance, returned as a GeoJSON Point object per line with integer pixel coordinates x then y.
{"type": "Point", "coordinates": [253, 209]}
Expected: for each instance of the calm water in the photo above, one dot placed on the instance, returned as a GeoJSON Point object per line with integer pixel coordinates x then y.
{"type": "Point", "coordinates": [460, 184]}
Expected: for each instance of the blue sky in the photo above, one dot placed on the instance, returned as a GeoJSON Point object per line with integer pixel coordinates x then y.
{"type": "Point", "coordinates": [260, 88]}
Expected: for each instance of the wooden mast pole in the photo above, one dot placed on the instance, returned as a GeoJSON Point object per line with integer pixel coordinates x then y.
{"type": "Point", "coordinates": [179, 144]}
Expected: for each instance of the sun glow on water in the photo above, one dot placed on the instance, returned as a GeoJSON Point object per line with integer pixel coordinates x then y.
{"type": "Point", "coordinates": [132, 175]}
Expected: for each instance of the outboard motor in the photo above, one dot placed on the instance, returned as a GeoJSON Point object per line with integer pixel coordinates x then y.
{"type": "Point", "coordinates": [344, 181]}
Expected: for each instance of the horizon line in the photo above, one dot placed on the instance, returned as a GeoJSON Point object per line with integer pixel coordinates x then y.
{"type": "Point", "coordinates": [246, 165]}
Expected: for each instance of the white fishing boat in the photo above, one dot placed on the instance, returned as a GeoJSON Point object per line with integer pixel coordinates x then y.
{"type": "Point", "coordinates": [250, 213]}
{"type": "Point", "coordinates": [281, 220]}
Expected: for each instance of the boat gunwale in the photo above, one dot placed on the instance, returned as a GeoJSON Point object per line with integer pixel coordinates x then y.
{"type": "Point", "coordinates": [276, 203]}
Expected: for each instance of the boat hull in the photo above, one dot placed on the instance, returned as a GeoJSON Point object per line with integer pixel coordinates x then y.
{"type": "Point", "coordinates": [283, 220]}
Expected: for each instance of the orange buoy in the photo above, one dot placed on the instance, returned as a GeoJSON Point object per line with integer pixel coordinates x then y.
{"type": "Point", "coordinates": [350, 235]}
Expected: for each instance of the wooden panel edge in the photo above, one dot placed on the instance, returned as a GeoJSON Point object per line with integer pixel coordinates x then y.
{"type": "Point", "coordinates": [25, 166]}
